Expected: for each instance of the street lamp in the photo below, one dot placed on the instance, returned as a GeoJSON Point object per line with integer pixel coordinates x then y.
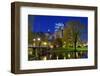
{"type": "Point", "coordinates": [45, 43]}
{"type": "Point", "coordinates": [38, 39]}
{"type": "Point", "coordinates": [39, 42]}
{"type": "Point", "coordinates": [34, 41]}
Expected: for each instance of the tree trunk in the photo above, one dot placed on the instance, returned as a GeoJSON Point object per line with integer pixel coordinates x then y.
{"type": "Point", "coordinates": [75, 45]}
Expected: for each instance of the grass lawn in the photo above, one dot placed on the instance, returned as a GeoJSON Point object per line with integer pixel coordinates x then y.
{"type": "Point", "coordinates": [63, 50]}
{"type": "Point", "coordinates": [70, 49]}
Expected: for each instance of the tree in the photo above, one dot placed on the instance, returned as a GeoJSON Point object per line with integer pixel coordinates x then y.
{"type": "Point", "coordinates": [74, 31]}
{"type": "Point", "coordinates": [58, 42]}
{"type": "Point", "coordinates": [30, 29]}
{"type": "Point", "coordinates": [67, 37]}
{"type": "Point", "coordinates": [30, 35]}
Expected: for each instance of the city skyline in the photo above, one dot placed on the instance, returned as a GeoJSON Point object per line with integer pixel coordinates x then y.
{"type": "Point", "coordinates": [44, 24]}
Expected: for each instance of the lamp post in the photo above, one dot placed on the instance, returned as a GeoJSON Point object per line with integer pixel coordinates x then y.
{"type": "Point", "coordinates": [34, 48]}
{"type": "Point", "coordinates": [39, 39]}
{"type": "Point", "coordinates": [34, 42]}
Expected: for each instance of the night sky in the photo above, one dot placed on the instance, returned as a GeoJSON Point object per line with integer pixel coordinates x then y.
{"type": "Point", "coordinates": [41, 23]}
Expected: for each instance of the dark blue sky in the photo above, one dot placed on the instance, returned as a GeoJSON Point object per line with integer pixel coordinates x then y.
{"type": "Point", "coordinates": [41, 23]}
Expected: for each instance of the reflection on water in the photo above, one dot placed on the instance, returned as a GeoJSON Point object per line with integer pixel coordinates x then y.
{"type": "Point", "coordinates": [48, 54]}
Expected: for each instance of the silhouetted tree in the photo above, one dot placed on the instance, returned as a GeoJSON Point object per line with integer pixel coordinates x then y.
{"type": "Point", "coordinates": [75, 29]}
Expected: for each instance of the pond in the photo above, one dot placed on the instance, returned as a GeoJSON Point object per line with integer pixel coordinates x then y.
{"type": "Point", "coordinates": [44, 53]}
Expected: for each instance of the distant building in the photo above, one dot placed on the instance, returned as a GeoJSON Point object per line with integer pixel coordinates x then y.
{"type": "Point", "coordinates": [58, 34]}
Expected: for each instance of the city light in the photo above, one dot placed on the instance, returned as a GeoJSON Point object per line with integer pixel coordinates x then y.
{"type": "Point", "coordinates": [44, 58]}
{"type": "Point", "coordinates": [34, 39]}
{"type": "Point", "coordinates": [58, 38]}
{"type": "Point", "coordinates": [51, 46]}
{"type": "Point", "coordinates": [38, 39]}
{"type": "Point", "coordinates": [45, 43]}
